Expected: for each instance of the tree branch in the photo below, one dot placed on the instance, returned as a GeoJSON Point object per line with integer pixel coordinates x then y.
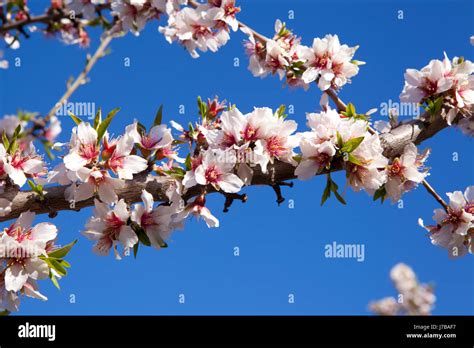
{"type": "Point", "coordinates": [82, 76]}
{"type": "Point", "coordinates": [393, 143]}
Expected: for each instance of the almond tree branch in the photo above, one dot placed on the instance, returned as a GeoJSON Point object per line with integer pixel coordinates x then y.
{"type": "Point", "coordinates": [433, 126]}
{"type": "Point", "coordinates": [81, 78]}
{"type": "Point", "coordinates": [46, 18]}
{"type": "Point", "coordinates": [54, 201]}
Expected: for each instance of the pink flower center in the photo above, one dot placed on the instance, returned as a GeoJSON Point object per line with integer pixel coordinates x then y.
{"type": "Point", "coordinates": [212, 175]}
{"type": "Point", "coordinates": [322, 62]}
{"type": "Point", "coordinates": [114, 222]}
{"type": "Point", "coordinates": [469, 208]}
{"type": "Point", "coordinates": [275, 146]}
{"type": "Point", "coordinates": [430, 87]}
{"type": "Point", "coordinates": [395, 169]}
{"type": "Point", "coordinates": [200, 30]}
{"type": "Point", "coordinates": [147, 220]}
{"type": "Point", "coordinates": [88, 151]}
{"type": "Point", "coordinates": [148, 142]}
{"type": "Point", "coordinates": [250, 133]}
{"type": "Point", "coordinates": [228, 140]}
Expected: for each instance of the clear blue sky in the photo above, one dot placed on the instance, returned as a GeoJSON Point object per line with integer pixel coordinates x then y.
{"type": "Point", "coordinates": [281, 249]}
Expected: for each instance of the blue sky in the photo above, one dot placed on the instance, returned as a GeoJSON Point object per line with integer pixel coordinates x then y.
{"type": "Point", "coordinates": [281, 249]}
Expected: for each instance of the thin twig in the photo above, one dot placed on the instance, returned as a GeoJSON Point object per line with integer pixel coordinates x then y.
{"type": "Point", "coordinates": [82, 76]}
{"type": "Point", "coordinates": [436, 196]}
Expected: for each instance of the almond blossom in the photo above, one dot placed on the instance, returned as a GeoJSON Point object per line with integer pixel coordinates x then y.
{"type": "Point", "coordinates": [93, 181]}
{"type": "Point", "coordinates": [21, 246]}
{"type": "Point", "coordinates": [216, 170]}
{"type": "Point", "coordinates": [83, 145]}
{"type": "Point", "coordinates": [318, 146]}
{"type": "Point", "coordinates": [197, 29]}
{"type": "Point", "coordinates": [198, 209]}
{"type": "Point", "coordinates": [156, 222]}
{"type": "Point", "coordinates": [23, 164]}
{"type": "Point", "coordinates": [84, 7]}
{"type": "Point", "coordinates": [329, 63]}
{"type": "Point", "coordinates": [368, 172]}
{"type": "Point", "coordinates": [132, 14]}
{"type": "Point", "coordinates": [413, 298]}
{"type": "Point", "coordinates": [405, 172]}
{"type": "Point", "coordinates": [158, 137]}
{"type": "Point", "coordinates": [454, 229]}
{"type": "Point", "coordinates": [109, 227]}
{"type": "Point", "coordinates": [118, 158]}
{"type": "Point", "coordinates": [431, 80]}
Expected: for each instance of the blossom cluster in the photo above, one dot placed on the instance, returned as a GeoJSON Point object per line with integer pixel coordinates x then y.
{"type": "Point", "coordinates": [27, 254]}
{"type": "Point", "coordinates": [326, 62]}
{"type": "Point", "coordinates": [203, 28]}
{"type": "Point", "coordinates": [335, 136]}
{"type": "Point", "coordinates": [454, 229]}
{"type": "Point", "coordinates": [451, 82]}
{"type": "Point", "coordinates": [98, 164]}
{"type": "Point", "coordinates": [413, 298]}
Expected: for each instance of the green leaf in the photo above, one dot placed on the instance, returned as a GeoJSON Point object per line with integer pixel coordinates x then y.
{"type": "Point", "coordinates": [327, 190]}
{"type": "Point", "coordinates": [64, 263]}
{"type": "Point", "coordinates": [105, 124]}
{"type": "Point", "coordinates": [47, 148]}
{"type": "Point", "coordinates": [280, 112]}
{"type": "Point", "coordinates": [98, 118]}
{"type": "Point", "coordinates": [202, 107]}
{"type": "Point", "coordinates": [334, 188]}
{"type": "Point", "coordinates": [135, 250]}
{"type": "Point", "coordinates": [350, 110]}
{"type": "Point", "coordinates": [54, 264]}
{"type": "Point", "coordinates": [76, 119]}
{"type": "Point", "coordinates": [340, 142]}
{"type": "Point", "coordinates": [353, 159]}
{"type": "Point", "coordinates": [63, 251]}
{"type": "Point", "coordinates": [6, 142]}
{"type": "Point", "coordinates": [5, 312]}
{"type": "Point", "coordinates": [159, 116]}
{"type": "Point", "coordinates": [187, 162]}
{"type": "Point", "coordinates": [142, 237]}
{"type": "Point", "coordinates": [16, 132]}
{"type": "Point", "coordinates": [32, 185]}
{"type": "Point", "coordinates": [351, 144]}
{"type": "Point", "coordinates": [380, 194]}
{"type": "Point", "coordinates": [54, 280]}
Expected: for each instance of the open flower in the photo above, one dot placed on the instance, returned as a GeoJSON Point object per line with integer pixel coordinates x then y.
{"type": "Point", "coordinates": [315, 157]}
{"type": "Point", "coordinates": [95, 181]}
{"type": "Point", "coordinates": [431, 80]}
{"type": "Point", "coordinates": [198, 209]}
{"type": "Point", "coordinates": [119, 159]}
{"type": "Point", "coordinates": [193, 28]}
{"type": "Point", "coordinates": [405, 172]}
{"type": "Point", "coordinates": [156, 222]}
{"type": "Point", "coordinates": [22, 164]}
{"type": "Point", "coordinates": [132, 14]}
{"type": "Point", "coordinates": [21, 246]}
{"type": "Point", "coordinates": [83, 147]}
{"type": "Point", "coordinates": [328, 62]}
{"type": "Point", "coordinates": [215, 170]}
{"type": "Point", "coordinates": [109, 227]}
{"type": "Point", "coordinates": [369, 171]}
{"type": "Point", "coordinates": [454, 229]}
{"type": "Point", "coordinates": [84, 7]}
{"type": "Point", "coordinates": [158, 137]}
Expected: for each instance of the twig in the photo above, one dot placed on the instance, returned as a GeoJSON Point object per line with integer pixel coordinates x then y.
{"type": "Point", "coordinates": [436, 196]}
{"type": "Point", "coordinates": [82, 76]}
